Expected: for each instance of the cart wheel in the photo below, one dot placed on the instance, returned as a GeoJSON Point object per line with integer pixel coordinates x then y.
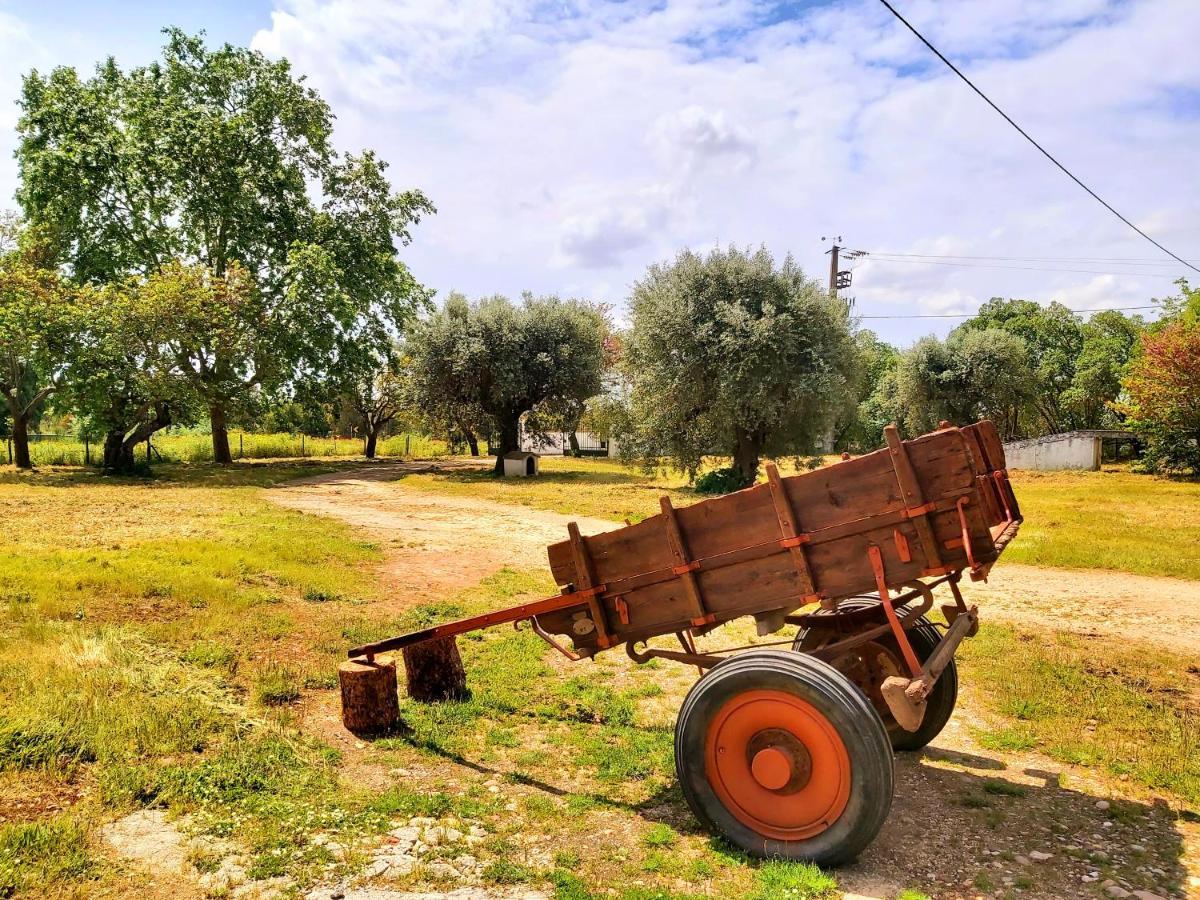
{"type": "Point", "coordinates": [870, 663]}
{"type": "Point", "coordinates": [784, 757]}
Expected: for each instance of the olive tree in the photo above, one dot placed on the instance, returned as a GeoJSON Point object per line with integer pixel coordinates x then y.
{"type": "Point", "coordinates": [732, 354]}
{"type": "Point", "coordinates": [973, 374]}
{"type": "Point", "coordinates": [509, 361]}
{"type": "Point", "coordinates": [222, 158]}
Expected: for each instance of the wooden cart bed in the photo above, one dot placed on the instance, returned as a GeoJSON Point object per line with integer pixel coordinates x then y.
{"type": "Point", "coordinates": [924, 507]}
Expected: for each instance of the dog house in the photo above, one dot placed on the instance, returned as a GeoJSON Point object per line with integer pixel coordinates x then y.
{"type": "Point", "coordinates": [520, 464]}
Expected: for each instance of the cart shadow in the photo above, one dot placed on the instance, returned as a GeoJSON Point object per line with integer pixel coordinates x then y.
{"type": "Point", "coordinates": [994, 822]}
{"type": "Point", "coordinates": [991, 822]}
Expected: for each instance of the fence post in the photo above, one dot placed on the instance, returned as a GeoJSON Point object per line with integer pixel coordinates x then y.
{"type": "Point", "coordinates": [301, 444]}
{"type": "Point", "coordinates": [147, 451]}
{"type": "Point", "coordinates": [241, 445]}
{"type": "Point", "coordinates": [10, 451]}
{"type": "Point", "coordinates": [87, 451]}
{"type": "Point", "coordinates": [408, 445]}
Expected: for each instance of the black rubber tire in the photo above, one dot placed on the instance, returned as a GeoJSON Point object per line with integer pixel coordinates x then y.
{"type": "Point", "coordinates": [846, 709]}
{"type": "Point", "coordinates": [939, 705]}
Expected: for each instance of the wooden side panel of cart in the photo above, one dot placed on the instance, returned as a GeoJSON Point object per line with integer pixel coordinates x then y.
{"type": "Point", "coordinates": [777, 546]}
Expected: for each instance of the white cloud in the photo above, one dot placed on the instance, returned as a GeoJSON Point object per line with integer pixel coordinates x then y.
{"type": "Point", "coordinates": [568, 145]}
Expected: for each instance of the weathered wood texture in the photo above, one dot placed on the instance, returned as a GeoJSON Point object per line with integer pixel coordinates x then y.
{"type": "Point", "coordinates": [785, 543]}
{"type": "Point", "coordinates": [435, 672]}
{"type": "Point", "coordinates": [370, 704]}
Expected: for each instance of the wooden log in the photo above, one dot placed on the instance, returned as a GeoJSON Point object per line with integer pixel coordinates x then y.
{"type": "Point", "coordinates": [435, 671]}
{"type": "Point", "coordinates": [370, 704]}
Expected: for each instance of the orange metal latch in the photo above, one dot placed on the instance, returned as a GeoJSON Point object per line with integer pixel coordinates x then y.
{"type": "Point", "coordinates": [910, 656]}
{"type": "Point", "coordinates": [966, 534]}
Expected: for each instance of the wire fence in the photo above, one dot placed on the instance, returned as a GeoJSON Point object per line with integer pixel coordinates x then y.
{"type": "Point", "coordinates": [70, 450]}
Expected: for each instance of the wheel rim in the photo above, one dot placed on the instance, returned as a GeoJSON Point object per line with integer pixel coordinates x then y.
{"type": "Point", "coordinates": [778, 765]}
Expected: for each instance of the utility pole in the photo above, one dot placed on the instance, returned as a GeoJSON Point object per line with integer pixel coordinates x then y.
{"type": "Point", "coordinates": [839, 279]}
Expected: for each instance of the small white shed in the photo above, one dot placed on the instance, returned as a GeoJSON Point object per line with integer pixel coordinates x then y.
{"type": "Point", "coordinates": [1071, 450]}
{"type": "Point", "coordinates": [521, 464]}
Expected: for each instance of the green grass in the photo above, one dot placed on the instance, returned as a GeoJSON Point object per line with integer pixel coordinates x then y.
{"type": "Point", "coordinates": [155, 637]}
{"type": "Point", "coordinates": [36, 856]}
{"type": "Point", "coordinates": [1126, 710]}
{"type": "Point", "coordinates": [1113, 519]}
{"type": "Point", "coordinates": [602, 488]}
{"type": "Point", "coordinates": [189, 447]}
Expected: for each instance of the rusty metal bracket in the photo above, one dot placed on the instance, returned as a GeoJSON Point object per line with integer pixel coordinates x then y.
{"type": "Point", "coordinates": [700, 660]}
{"type": "Point", "coordinates": [966, 531]}
{"type": "Point", "coordinates": [549, 639]}
{"type": "Point", "coordinates": [910, 656]}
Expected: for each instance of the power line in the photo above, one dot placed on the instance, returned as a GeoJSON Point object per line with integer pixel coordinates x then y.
{"type": "Point", "coordinates": [964, 265]}
{"type": "Point", "coordinates": [969, 315]}
{"type": "Point", "coordinates": [1046, 153]}
{"type": "Point", "coordinates": [1122, 261]}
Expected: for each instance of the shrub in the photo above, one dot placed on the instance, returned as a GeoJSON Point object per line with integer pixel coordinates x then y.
{"type": "Point", "coordinates": [721, 481]}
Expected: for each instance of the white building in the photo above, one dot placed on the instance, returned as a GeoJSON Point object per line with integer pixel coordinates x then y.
{"type": "Point", "coordinates": [1071, 450]}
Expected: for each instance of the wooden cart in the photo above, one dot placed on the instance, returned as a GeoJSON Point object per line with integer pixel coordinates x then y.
{"type": "Point", "coordinates": [788, 752]}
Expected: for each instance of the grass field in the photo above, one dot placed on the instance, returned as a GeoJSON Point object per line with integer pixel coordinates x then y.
{"type": "Point", "coordinates": [1113, 519]}
{"type": "Point", "coordinates": [160, 640]}
{"type": "Point", "coordinates": [155, 638]}
{"type": "Point", "coordinates": [187, 447]}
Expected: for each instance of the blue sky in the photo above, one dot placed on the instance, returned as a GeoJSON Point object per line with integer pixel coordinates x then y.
{"type": "Point", "coordinates": [568, 145]}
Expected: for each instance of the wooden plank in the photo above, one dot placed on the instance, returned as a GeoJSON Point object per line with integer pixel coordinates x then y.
{"type": "Point", "coordinates": [914, 497]}
{"type": "Point", "coordinates": [587, 580]}
{"type": "Point", "coordinates": [789, 528]}
{"type": "Point", "coordinates": [682, 567]}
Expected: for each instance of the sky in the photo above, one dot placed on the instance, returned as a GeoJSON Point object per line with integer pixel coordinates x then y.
{"type": "Point", "coordinates": [570, 144]}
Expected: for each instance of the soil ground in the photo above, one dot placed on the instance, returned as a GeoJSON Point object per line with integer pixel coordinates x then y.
{"type": "Point", "coordinates": [950, 822]}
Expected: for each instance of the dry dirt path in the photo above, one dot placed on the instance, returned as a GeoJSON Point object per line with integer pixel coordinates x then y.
{"type": "Point", "coordinates": [1160, 611]}
{"type": "Point", "coordinates": [945, 827]}
{"type": "Point", "coordinates": [433, 544]}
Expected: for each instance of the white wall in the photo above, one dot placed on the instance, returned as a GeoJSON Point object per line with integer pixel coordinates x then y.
{"type": "Point", "coordinates": [1059, 451]}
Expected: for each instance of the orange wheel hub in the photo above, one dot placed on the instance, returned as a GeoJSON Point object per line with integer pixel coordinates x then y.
{"type": "Point", "coordinates": [777, 764]}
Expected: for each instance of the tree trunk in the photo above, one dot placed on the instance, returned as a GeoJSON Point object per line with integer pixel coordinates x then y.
{"type": "Point", "coordinates": [510, 440]}
{"type": "Point", "coordinates": [745, 455]}
{"type": "Point", "coordinates": [573, 437]}
{"type": "Point", "coordinates": [435, 671]}
{"type": "Point", "coordinates": [372, 440]}
{"type": "Point", "coordinates": [370, 704]}
{"type": "Point", "coordinates": [220, 435]}
{"type": "Point", "coordinates": [472, 441]}
{"type": "Point", "coordinates": [119, 444]}
{"type": "Point", "coordinates": [118, 454]}
{"type": "Point", "coordinates": [20, 439]}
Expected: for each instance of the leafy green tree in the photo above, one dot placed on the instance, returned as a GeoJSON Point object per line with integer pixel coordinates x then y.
{"type": "Point", "coordinates": [208, 158]}
{"type": "Point", "coordinates": [860, 424]}
{"type": "Point", "coordinates": [1053, 337]}
{"type": "Point", "coordinates": [1185, 306]}
{"type": "Point", "coordinates": [731, 354]}
{"type": "Point", "coordinates": [1109, 339]}
{"type": "Point", "coordinates": [507, 361]}
{"type": "Point", "coordinates": [973, 374]}
{"type": "Point", "coordinates": [36, 327]}
{"type": "Point", "coordinates": [376, 394]}
{"type": "Point", "coordinates": [122, 380]}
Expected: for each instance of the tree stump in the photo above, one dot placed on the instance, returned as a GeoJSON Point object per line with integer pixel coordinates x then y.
{"type": "Point", "coordinates": [435, 671]}
{"type": "Point", "coordinates": [370, 704]}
